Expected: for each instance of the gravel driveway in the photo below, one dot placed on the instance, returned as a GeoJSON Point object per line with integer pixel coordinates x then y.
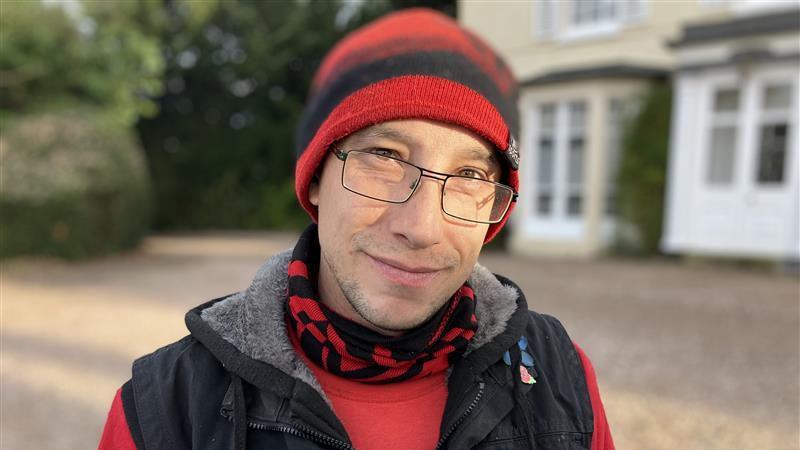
{"type": "Point", "coordinates": [688, 357]}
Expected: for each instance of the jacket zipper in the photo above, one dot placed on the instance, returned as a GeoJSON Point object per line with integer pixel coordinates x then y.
{"type": "Point", "coordinates": [463, 416]}
{"type": "Point", "coordinates": [299, 431]}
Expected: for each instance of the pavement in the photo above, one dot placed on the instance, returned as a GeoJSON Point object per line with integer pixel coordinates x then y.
{"type": "Point", "coordinates": [688, 356]}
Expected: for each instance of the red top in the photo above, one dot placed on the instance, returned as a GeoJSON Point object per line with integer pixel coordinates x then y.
{"type": "Point", "coordinates": [404, 415]}
{"type": "Point", "coordinates": [116, 434]}
{"type": "Point", "coordinates": [379, 416]}
{"type": "Point", "coordinates": [601, 438]}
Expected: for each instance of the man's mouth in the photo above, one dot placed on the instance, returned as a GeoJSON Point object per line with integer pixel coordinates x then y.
{"type": "Point", "coordinates": [405, 274]}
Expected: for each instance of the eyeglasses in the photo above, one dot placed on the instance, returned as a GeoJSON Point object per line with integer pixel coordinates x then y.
{"type": "Point", "coordinates": [393, 180]}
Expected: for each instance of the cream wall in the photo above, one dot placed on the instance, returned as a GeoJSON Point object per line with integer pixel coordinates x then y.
{"type": "Point", "coordinates": [507, 25]}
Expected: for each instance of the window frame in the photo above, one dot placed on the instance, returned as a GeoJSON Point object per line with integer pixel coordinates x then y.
{"type": "Point", "coordinates": [564, 27]}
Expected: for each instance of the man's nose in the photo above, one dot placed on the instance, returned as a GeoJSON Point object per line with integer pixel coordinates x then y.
{"type": "Point", "coordinates": [420, 220]}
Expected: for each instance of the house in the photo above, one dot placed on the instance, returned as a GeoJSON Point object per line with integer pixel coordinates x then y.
{"type": "Point", "coordinates": [733, 174]}
{"type": "Point", "coordinates": [583, 65]}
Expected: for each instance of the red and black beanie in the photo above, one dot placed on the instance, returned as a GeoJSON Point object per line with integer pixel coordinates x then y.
{"type": "Point", "coordinates": [415, 63]}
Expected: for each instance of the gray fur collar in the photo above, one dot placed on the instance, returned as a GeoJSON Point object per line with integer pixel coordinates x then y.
{"type": "Point", "coordinates": [253, 320]}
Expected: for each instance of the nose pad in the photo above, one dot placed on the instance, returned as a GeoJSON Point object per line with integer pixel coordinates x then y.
{"type": "Point", "coordinates": [418, 186]}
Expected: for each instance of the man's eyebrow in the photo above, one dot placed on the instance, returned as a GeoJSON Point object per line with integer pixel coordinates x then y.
{"type": "Point", "coordinates": [481, 154]}
{"type": "Point", "coordinates": [383, 132]}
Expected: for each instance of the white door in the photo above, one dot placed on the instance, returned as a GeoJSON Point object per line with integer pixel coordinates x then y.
{"type": "Point", "coordinates": [747, 177]}
{"type": "Point", "coordinates": [556, 208]}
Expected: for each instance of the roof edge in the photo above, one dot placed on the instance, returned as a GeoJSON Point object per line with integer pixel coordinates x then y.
{"type": "Point", "coordinates": [597, 72]}
{"type": "Point", "coordinates": [765, 24]}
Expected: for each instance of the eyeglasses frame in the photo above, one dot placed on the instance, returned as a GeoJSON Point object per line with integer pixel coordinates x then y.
{"type": "Point", "coordinates": [443, 177]}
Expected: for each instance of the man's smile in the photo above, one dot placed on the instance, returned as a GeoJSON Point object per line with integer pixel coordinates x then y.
{"type": "Point", "coordinates": [404, 274]}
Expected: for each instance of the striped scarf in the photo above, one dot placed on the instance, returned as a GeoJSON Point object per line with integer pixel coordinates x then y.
{"type": "Point", "coordinates": [352, 351]}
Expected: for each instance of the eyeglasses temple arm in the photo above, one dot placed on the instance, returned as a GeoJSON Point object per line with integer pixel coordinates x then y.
{"type": "Point", "coordinates": [339, 154]}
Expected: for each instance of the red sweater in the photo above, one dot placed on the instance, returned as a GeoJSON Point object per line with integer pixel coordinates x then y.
{"type": "Point", "coordinates": [380, 416]}
{"type": "Point", "coordinates": [415, 404]}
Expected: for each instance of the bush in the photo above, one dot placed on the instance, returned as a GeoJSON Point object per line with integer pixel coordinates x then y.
{"type": "Point", "coordinates": [643, 171]}
{"type": "Point", "coordinates": [73, 185]}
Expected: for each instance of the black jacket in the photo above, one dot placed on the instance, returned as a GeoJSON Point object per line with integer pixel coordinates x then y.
{"type": "Point", "coordinates": [235, 381]}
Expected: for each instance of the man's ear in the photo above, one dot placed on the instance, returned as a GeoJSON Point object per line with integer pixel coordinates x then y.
{"type": "Point", "coordinates": [313, 191]}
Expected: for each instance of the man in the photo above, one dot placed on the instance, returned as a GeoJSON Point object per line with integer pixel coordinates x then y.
{"type": "Point", "coordinates": [379, 330]}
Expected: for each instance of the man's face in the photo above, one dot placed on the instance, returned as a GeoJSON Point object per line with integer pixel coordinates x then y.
{"type": "Point", "coordinates": [390, 266]}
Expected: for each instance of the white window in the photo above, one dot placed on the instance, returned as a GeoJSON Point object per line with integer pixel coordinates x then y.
{"type": "Point", "coordinates": [577, 149]}
{"type": "Point", "coordinates": [722, 144]}
{"type": "Point", "coordinates": [559, 158]}
{"type": "Point", "coordinates": [584, 18]}
{"type": "Point", "coordinates": [546, 160]}
{"type": "Point", "coordinates": [770, 116]}
{"type": "Point", "coordinates": [594, 11]}
{"type": "Point", "coordinates": [546, 23]}
{"type": "Point", "coordinates": [773, 133]}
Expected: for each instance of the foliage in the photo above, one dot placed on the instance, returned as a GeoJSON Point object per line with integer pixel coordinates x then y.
{"type": "Point", "coordinates": [222, 149]}
{"type": "Point", "coordinates": [214, 89]}
{"type": "Point", "coordinates": [98, 53]}
{"type": "Point", "coordinates": [73, 185]}
{"type": "Point", "coordinates": [643, 169]}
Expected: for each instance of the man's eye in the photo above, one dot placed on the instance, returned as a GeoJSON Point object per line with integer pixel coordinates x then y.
{"type": "Point", "coordinates": [383, 152]}
{"type": "Point", "coordinates": [473, 173]}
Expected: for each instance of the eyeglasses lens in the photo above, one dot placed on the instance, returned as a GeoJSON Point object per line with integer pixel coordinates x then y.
{"type": "Point", "coordinates": [392, 180]}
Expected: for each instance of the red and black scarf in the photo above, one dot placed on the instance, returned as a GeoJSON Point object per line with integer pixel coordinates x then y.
{"type": "Point", "coordinates": [350, 350]}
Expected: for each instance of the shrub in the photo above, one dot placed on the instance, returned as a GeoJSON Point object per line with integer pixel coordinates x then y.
{"type": "Point", "coordinates": [73, 185]}
{"type": "Point", "coordinates": [643, 171]}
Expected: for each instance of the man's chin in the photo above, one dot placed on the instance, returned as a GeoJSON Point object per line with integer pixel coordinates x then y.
{"type": "Point", "coordinates": [393, 317]}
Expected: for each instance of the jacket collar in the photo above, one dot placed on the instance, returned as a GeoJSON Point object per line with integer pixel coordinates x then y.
{"type": "Point", "coordinates": [250, 324]}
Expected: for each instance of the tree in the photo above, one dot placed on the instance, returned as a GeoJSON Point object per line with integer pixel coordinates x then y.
{"type": "Point", "coordinates": [100, 54]}
{"type": "Point", "coordinates": [222, 147]}
{"type": "Point", "coordinates": [642, 173]}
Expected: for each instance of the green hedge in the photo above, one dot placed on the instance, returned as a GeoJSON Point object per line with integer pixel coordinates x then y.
{"type": "Point", "coordinates": [643, 171]}
{"type": "Point", "coordinates": [73, 185]}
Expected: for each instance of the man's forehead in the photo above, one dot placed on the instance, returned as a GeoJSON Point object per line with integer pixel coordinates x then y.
{"type": "Point", "coordinates": [394, 131]}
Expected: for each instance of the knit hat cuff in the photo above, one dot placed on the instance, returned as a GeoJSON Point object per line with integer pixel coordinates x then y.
{"type": "Point", "coordinates": [404, 97]}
